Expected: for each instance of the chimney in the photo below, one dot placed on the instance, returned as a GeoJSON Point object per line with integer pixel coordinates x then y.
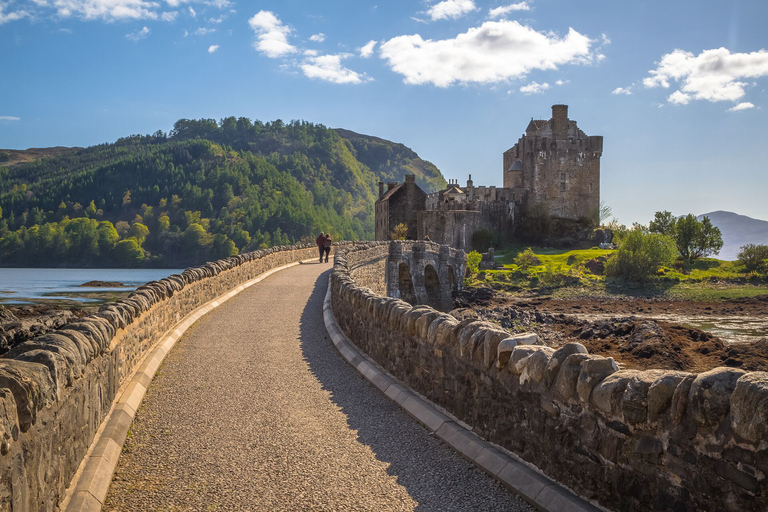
{"type": "Point", "coordinates": [410, 178]}
{"type": "Point", "coordinates": [381, 189]}
{"type": "Point", "coordinates": [391, 185]}
{"type": "Point", "coordinates": [560, 121]}
{"type": "Point", "coordinates": [469, 182]}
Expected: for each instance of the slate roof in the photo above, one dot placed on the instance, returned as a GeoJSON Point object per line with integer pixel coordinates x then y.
{"type": "Point", "coordinates": [389, 193]}
{"type": "Point", "coordinates": [536, 125]}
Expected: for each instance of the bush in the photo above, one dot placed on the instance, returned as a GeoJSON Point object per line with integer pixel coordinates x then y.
{"type": "Point", "coordinates": [640, 256]}
{"type": "Point", "coordinates": [526, 259]}
{"type": "Point", "coordinates": [473, 262]}
{"type": "Point", "coordinates": [754, 257]}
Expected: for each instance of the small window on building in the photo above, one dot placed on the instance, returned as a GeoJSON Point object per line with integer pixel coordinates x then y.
{"type": "Point", "coordinates": [562, 182]}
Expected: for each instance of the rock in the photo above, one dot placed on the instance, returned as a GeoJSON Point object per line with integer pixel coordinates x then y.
{"type": "Point", "coordinates": [9, 420]}
{"type": "Point", "coordinates": [635, 399]}
{"type": "Point", "coordinates": [710, 395]}
{"type": "Point", "coordinates": [607, 395]}
{"type": "Point", "coordinates": [505, 347]}
{"type": "Point", "coordinates": [559, 356]}
{"type": "Point", "coordinates": [564, 386]}
{"type": "Point", "coordinates": [31, 386]}
{"type": "Point", "coordinates": [593, 370]}
{"type": "Point", "coordinates": [58, 366]}
{"type": "Point", "coordinates": [749, 407]}
{"type": "Point", "coordinates": [661, 392]}
{"type": "Point", "coordinates": [535, 367]}
{"type": "Point", "coordinates": [491, 344]}
{"type": "Point", "coordinates": [519, 353]}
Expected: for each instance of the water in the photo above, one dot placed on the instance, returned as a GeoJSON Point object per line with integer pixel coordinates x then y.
{"type": "Point", "coordinates": [51, 285]}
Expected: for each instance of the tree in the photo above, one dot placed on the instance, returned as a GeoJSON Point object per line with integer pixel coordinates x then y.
{"type": "Point", "coordinates": [128, 252]}
{"type": "Point", "coordinates": [695, 238]}
{"type": "Point", "coordinates": [754, 257]}
{"type": "Point", "coordinates": [526, 259]}
{"type": "Point", "coordinates": [640, 256]}
{"type": "Point", "coordinates": [663, 223]}
{"type": "Point", "coordinates": [400, 232]}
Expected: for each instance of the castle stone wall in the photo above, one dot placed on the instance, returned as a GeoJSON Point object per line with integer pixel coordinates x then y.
{"type": "Point", "coordinates": [56, 389]}
{"type": "Point", "coordinates": [633, 440]}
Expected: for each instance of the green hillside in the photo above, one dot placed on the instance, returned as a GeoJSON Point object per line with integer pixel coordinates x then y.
{"type": "Point", "coordinates": [206, 190]}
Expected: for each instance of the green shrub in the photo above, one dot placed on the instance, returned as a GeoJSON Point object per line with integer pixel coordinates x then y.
{"type": "Point", "coordinates": [526, 259]}
{"type": "Point", "coordinates": [640, 256]}
{"type": "Point", "coordinates": [473, 262]}
{"type": "Point", "coordinates": [754, 257]}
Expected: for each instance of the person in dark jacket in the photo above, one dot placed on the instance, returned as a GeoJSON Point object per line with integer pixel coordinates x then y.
{"type": "Point", "coordinates": [327, 246]}
{"type": "Point", "coordinates": [321, 245]}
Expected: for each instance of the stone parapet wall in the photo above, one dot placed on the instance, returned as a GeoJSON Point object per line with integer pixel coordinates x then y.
{"type": "Point", "coordinates": [56, 389]}
{"type": "Point", "coordinates": [632, 440]}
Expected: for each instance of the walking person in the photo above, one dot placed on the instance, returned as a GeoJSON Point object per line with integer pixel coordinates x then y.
{"type": "Point", "coordinates": [327, 246]}
{"type": "Point", "coordinates": [321, 245]}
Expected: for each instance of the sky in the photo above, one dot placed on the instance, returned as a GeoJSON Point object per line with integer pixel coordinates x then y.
{"type": "Point", "coordinates": [677, 89]}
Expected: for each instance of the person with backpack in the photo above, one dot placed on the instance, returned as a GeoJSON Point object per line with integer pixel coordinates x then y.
{"type": "Point", "coordinates": [327, 246]}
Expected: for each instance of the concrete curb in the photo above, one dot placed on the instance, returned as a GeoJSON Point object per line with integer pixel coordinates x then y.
{"type": "Point", "coordinates": [88, 489]}
{"type": "Point", "coordinates": [535, 488]}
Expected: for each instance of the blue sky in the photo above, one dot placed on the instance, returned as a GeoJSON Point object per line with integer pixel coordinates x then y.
{"type": "Point", "coordinates": [677, 89]}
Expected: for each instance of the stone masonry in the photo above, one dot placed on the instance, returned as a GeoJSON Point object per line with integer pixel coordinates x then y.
{"type": "Point", "coordinates": [558, 164]}
{"type": "Point", "coordinates": [633, 440]}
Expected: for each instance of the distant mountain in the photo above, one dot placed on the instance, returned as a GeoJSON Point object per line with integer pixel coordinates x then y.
{"type": "Point", "coordinates": [206, 190]}
{"type": "Point", "coordinates": [737, 230]}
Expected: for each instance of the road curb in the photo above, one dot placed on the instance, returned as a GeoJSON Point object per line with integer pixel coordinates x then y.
{"type": "Point", "coordinates": [537, 489]}
{"type": "Point", "coordinates": [90, 485]}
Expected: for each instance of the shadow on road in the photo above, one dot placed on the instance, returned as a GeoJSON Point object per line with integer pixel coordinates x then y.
{"type": "Point", "coordinates": [434, 476]}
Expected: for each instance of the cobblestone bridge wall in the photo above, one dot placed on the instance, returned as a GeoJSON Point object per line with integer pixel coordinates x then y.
{"type": "Point", "coordinates": [56, 389]}
{"type": "Point", "coordinates": [633, 440]}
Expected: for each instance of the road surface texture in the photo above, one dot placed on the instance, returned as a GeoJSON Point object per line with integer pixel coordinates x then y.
{"type": "Point", "coordinates": [254, 409]}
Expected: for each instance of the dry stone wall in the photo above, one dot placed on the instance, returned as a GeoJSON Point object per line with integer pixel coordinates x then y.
{"type": "Point", "coordinates": [633, 440]}
{"type": "Point", "coordinates": [56, 389]}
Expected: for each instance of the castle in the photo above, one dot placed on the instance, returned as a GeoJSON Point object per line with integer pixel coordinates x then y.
{"type": "Point", "coordinates": [554, 166]}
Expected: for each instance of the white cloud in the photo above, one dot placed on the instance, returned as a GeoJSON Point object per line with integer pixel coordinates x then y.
{"type": "Point", "coordinates": [213, 48]}
{"type": "Point", "coordinates": [498, 12]}
{"type": "Point", "coordinates": [742, 106]}
{"type": "Point", "coordinates": [9, 118]}
{"type": "Point", "coordinates": [493, 52]}
{"type": "Point", "coordinates": [534, 88]}
{"type": "Point", "coordinates": [138, 35]}
{"type": "Point", "coordinates": [329, 68]}
{"type": "Point", "coordinates": [451, 9]}
{"type": "Point", "coordinates": [713, 75]}
{"type": "Point", "coordinates": [217, 20]}
{"type": "Point", "coordinates": [271, 34]}
{"type": "Point", "coordinates": [106, 10]}
{"type": "Point", "coordinates": [562, 82]}
{"type": "Point", "coordinates": [204, 31]}
{"type": "Point", "coordinates": [310, 53]}
{"type": "Point", "coordinates": [10, 16]}
{"type": "Point", "coordinates": [318, 38]}
{"type": "Point", "coordinates": [622, 90]}
{"type": "Point", "coordinates": [367, 49]}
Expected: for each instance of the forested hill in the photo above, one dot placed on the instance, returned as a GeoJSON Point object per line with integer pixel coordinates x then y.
{"type": "Point", "coordinates": [204, 191]}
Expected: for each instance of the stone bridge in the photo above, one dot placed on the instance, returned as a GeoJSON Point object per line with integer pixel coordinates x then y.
{"type": "Point", "coordinates": [256, 409]}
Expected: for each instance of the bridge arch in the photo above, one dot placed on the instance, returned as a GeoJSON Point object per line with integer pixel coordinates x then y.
{"type": "Point", "coordinates": [432, 287]}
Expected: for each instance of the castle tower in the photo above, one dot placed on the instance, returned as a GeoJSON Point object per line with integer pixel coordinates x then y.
{"type": "Point", "coordinates": [558, 165]}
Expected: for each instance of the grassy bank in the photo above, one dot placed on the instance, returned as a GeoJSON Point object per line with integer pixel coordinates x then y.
{"type": "Point", "coordinates": [570, 273]}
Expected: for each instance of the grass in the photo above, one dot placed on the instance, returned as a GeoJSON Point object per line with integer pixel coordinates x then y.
{"type": "Point", "coordinates": [562, 273]}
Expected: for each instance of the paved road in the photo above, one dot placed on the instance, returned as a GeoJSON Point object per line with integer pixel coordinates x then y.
{"type": "Point", "coordinates": [255, 410]}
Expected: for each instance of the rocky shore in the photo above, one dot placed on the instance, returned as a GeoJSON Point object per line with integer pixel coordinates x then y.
{"type": "Point", "coordinates": [19, 323]}
{"type": "Point", "coordinates": [637, 333]}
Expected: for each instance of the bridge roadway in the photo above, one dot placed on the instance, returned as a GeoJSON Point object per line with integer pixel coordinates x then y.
{"type": "Point", "coordinates": [254, 409]}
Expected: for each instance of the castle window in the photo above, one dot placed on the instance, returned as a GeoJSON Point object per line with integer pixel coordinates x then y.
{"type": "Point", "coordinates": [562, 182]}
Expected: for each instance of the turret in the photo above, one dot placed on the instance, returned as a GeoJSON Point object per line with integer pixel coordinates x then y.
{"type": "Point", "coordinates": [560, 121]}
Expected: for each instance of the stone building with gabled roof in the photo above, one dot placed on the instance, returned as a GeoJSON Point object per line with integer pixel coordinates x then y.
{"type": "Point", "coordinates": [398, 204]}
